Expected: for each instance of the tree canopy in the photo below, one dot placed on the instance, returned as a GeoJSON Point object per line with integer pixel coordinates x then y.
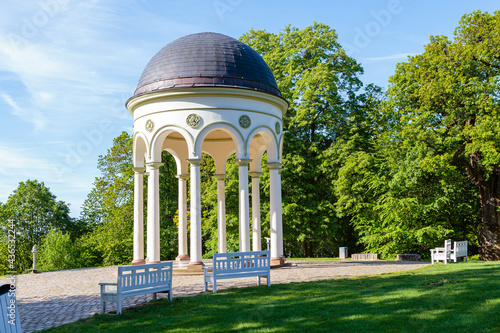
{"type": "Point", "coordinates": [321, 83]}
{"type": "Point", "coordinates": [32, 211]}
{"type": "Point", "coordinates": [447, 105]}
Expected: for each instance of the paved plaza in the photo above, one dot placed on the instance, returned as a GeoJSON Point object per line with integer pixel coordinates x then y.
{"type": "Point", "coordinates": [56, 298]}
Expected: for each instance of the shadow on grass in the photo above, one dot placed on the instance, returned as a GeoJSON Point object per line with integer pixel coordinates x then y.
{"type": "Point", "coordinates": [461, 297]}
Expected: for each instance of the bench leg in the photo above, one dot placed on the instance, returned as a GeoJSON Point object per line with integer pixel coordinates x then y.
{"type": "Point", "coordinates": [269, 280]}
{"type": "Point", "coordinates": [258, 280]}
{"type": "Point", "coordinates": [154, 296]}
{"type": "Point", "coordinates": [215, 285]}
{"type": "Point", "coordinates": [170, 295]}
{"type": "Point", "coordinates": [119, 306]}
{"type": "Point", "coordinates": [103, 306]}
{"type": "Point", "coordinates": [206, 285]}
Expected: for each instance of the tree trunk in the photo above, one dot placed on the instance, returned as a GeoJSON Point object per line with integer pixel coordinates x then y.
{"type": "Point", "coordinates": [489, 228]}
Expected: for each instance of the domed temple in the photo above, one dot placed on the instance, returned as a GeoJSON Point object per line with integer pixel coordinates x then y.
{"type": "Point", "coordinates": [207, 93]}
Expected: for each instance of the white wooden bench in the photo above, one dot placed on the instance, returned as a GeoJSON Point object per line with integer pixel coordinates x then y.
{"type": "Point", "coordinates": [441, 253]}
{"type": "Point", "coordinates": [138, 280]}
{"type": "Point", "coordinates": [459, 250]}
{"type": "Point", "coordinates": [9, 311]}
{"type": "Point", "coordinates": [238, 265]}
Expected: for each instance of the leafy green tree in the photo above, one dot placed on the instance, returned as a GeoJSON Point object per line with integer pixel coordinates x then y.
{"type": "Point", "coordinates": [397, 206]}
{"type": "Point", "coordinates": [33, 211]}
{"type": "Point", "coordinates": [109, 206]}
{"type": "Point", "coordinates": [447, 105]}
{"type": "Point", "coordinates": [57, 252]}
{"type": "Point", "coordinates": [321, 84]}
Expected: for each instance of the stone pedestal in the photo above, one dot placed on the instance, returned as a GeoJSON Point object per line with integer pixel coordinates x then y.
{"type": "Point", "coordinates": [138, 262]}
{"type": "Point", "coordinates": [181, 257]}
{"type": "Point", "coordinates": [195, 266]}
{"type": "Point", "coordinates": [278, 262]}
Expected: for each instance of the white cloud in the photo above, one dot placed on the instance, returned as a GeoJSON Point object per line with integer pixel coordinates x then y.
{"type": "Point", "coordinates": [31, 116]}
{"type": "Point", "coordinates": [24, 163]}
{"type": "Point", "coordinates": [397, 56]}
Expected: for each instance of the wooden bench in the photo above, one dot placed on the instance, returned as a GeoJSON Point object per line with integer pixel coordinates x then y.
{"type": "Point", "coordinates": [138, 280]}
{"type": "Point", "coordinates": [238, 265]}
{"type": "Point", "coordinates": [9, 311]}
{"type": "Point", "coordinates": [441, 253]}
{"type": "Point", "coordinates": [459, 250]}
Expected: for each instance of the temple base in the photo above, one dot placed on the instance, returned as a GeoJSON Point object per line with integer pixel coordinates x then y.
{"type": "Point", "coordinates": [138, 262]}
{"type": "Point", "coordinates": [181, 257]}
{"type": "Point", "coordinates": [152, 262]}
{"type": "Point", "coordinates": [278, 262]}
{"type": "Point", "coordinates": [195, 266]}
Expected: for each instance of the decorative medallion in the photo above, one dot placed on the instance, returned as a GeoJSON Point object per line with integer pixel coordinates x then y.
{"type": "Point", "coordinates": [245, 121]}
{"type": "Point", "coordinates": [150, 125]}
{"type": "Point", "coordinates": [193, 120]}
{"type": "Point", "coordinates": [277, 127]}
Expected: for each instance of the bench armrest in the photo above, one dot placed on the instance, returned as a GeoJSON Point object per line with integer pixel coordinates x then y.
{"type": "Point", "coordinates": [104, 284]}
{"type": "Point", "coordinates": [438, 249]}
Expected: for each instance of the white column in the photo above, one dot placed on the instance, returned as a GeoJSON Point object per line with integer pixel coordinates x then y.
{"type": "Point", "coordinates": [256, 233]}
{"type": "Point", "coordinates": [183, 246]}
{"type": "Point", "coordinates": [153, 232]}
{"type": "Point", "coordinates": [138, 258]}
{"type": "Point", "coordinates": [276, 214]}
{"type": "Point", "coordinates": [221, 214]}
{"type": "Point", "coordinates": [195, 209]}
{"type": "Point", "coordinates": [244, 205]}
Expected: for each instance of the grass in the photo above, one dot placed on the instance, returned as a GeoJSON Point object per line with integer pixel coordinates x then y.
{"type": "Point", "coordinates": [461, 297]}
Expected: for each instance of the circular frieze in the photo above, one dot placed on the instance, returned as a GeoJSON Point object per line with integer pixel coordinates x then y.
{"type": "Point", "coordinates": [277, 127]}
{"type": "Point", "coordinates": [245, 121]}
{"type": "Point", "coordinates": [193, 120]}
{"type": "Point", "coordinates": [150, 125]}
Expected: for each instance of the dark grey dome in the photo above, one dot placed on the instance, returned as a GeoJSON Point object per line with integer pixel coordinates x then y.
{"type": "Point", "coordinates": [207, 60]}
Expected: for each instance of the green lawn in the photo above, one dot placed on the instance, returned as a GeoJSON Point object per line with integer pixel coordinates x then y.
{"type": "Point", "coordinates": [461, 297]}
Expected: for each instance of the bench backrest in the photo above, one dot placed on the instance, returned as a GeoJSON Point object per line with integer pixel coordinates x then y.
{"type": "Point", "coordinates": [235, 262]}
{"type": "Point", "coordinates": [143, 276]}
{"type": "Point", "coordinates": [447, 246]}
{"type": "Point", "coordinates": [460, 248]}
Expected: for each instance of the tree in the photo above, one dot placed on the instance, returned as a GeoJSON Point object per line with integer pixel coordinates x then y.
{"type": "Point", "coordinates": [321, 84]}
{"type": "Point", "coordinates": [447, 103]}
{"type": "Point", "coordinates": [57, 252]}
{"type": "Point", "coordinates": [33, 211]}
{"type": "Point", "coordinates": [109, 206]}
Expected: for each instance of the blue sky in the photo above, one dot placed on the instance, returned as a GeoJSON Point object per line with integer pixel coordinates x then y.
{"type": "Point", "coordinates": [68, 66]}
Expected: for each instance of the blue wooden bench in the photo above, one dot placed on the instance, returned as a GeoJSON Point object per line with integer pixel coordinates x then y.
{"type": "Point", "coordinates": [138, 280]}
{"type": "Point", "coordinates": [9, 311]}
{"type": "Point", "coordinates": [238, 265]}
